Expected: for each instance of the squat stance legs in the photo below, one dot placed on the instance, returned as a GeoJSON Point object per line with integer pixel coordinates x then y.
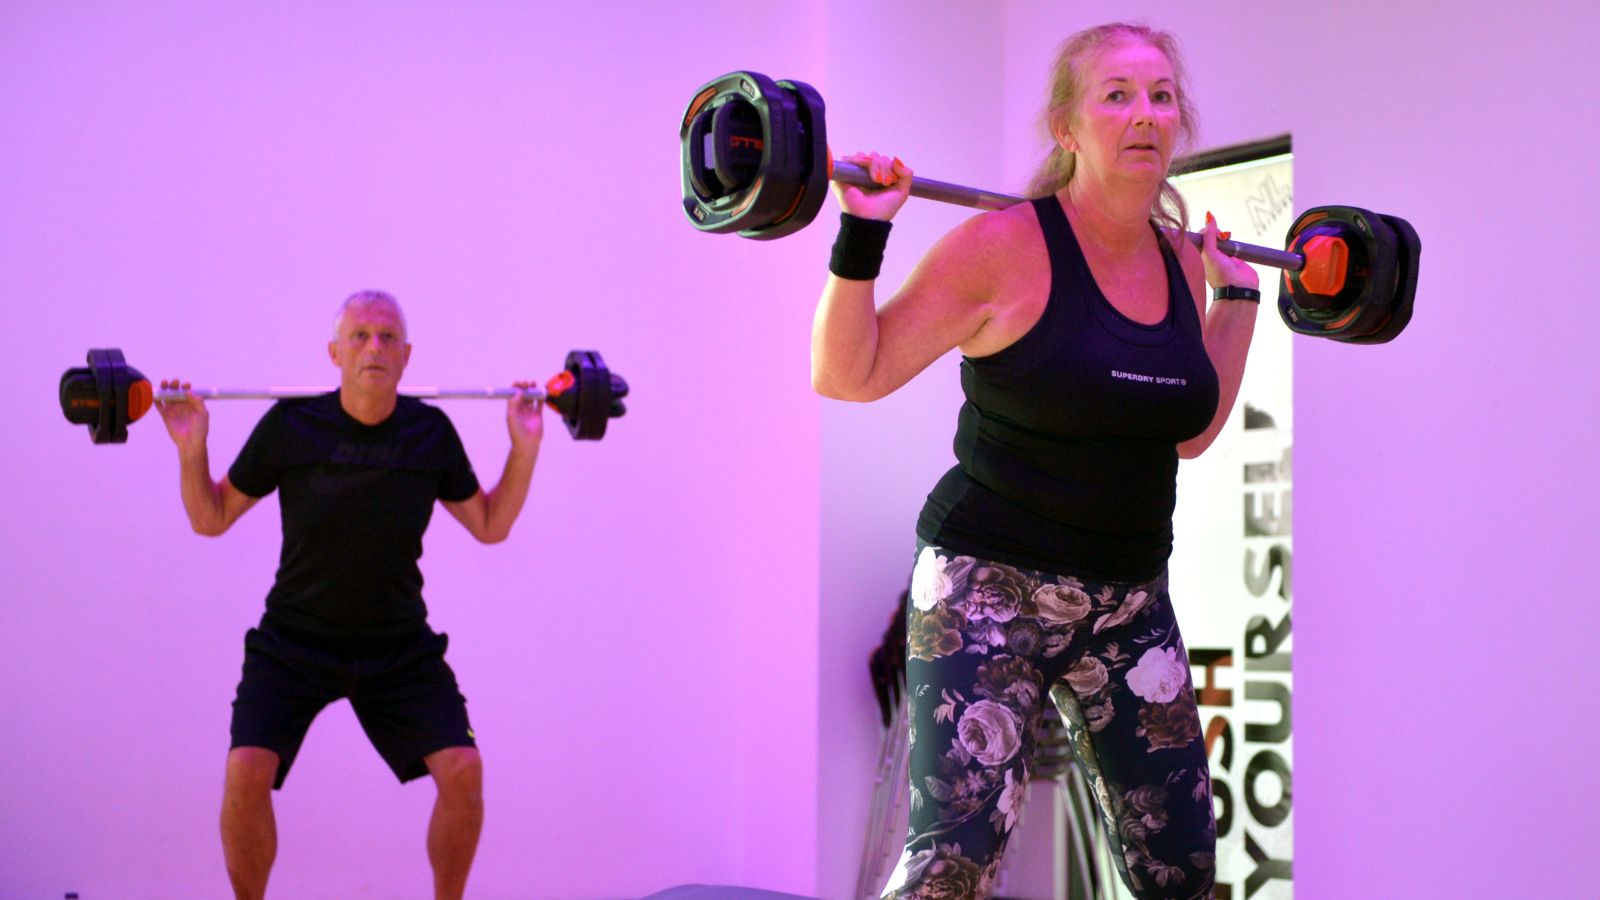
{"type": "Point", "coordinates": [250, 833]}
{"type": "Point", "coordinates": [457, 818]}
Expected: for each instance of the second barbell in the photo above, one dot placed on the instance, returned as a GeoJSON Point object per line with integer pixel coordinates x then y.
{"type": "Point", "coordinates": [108, 394]}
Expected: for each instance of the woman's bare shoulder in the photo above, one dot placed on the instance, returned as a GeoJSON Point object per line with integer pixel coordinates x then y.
{"type": "Point", "coordinates": [995, 235]}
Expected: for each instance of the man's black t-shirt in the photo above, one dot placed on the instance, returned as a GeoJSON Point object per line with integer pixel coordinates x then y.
{"type": "Point", "coordinates": [355, 501]}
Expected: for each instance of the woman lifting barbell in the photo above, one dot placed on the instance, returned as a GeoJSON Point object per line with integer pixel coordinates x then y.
{"type": "Point", "coordinates": [1091, 364]}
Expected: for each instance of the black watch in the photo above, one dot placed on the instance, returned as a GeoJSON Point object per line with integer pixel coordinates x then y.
{"type": "Point", "coordinates": [1236, 292]}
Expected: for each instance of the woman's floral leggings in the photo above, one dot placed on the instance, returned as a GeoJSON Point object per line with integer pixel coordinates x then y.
{"type": "Point", "coordinates": [985, 643]}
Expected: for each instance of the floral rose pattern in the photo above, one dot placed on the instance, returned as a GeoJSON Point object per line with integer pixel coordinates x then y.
{"type": "Point", "coordinates": [1159, 675]}
{"type": "Point", "coordinates": [933, 634]}
{"type": "Point", "coordinates": [937, 578]}
{"type": "Point", "coordinates": [1167, 725]}
{"type": "Point", "coordinates": [986, 642]}
{"type": "Point", "coordinates": [1061, 604]}
{"type": "Point", "coordinates": [991, 733]}
{"type": "Point", "coordinates": [940, 873]}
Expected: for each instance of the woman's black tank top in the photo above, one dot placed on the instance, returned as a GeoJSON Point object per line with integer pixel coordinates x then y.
{"type": "Point", "coordinates": [1067, 443]}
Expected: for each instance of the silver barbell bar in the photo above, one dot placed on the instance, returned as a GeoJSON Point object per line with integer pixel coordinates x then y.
{"type": "Point", "coordinates": [284, 393]}
{"type": "Point", "coordinates": [978, 198]}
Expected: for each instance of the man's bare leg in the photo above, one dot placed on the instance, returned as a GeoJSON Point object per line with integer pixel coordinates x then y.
{"type": "Point", "coordinates": [249, 831]}
{"type": "Point", "coordinates": [457, 818]}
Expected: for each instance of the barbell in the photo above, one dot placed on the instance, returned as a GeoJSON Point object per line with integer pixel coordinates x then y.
{"type": "Point", "coordinates": [755, 161]}
{"type": "Point", "coordinates": [108, 394]}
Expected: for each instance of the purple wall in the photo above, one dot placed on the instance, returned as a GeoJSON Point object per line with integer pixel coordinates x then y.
{"type": "Point", "coordinates": [661, 693]}
{"type": "Point", "coordinates": [201, 186]}
{"type": "Point", "coordinates": [893, 89]}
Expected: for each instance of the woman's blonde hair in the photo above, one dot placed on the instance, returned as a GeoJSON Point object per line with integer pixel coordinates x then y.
{"type": "Point", "coordinates": [1066, 93]}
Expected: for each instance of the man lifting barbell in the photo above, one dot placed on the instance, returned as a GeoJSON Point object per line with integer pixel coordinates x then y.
{"type": "Point", "coordinates": [358, 469]}
{"type": "Point", "coordinates": [357, 472]}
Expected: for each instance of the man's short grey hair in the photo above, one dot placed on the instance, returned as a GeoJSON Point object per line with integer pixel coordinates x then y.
{"type": "Point", "coordinates": [370, 298]}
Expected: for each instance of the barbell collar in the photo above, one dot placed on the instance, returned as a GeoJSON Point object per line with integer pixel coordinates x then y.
{"type": "Point", "coordinates": [978, 198]}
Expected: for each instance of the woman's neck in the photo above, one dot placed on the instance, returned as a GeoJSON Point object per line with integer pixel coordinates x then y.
{"type": "Point", "coordinates": [1117, 221]}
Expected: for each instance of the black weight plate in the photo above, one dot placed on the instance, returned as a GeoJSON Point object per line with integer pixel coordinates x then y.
{"type": "Point", "coordinates": [103, 430]}
{"type": "Point", "coordinates": [80, 402]}
{"type": "Point", "coordinates": [1323, 307]}
{"type": "Point", "coordinates": [573, 397]}
{"type": "Point", "coordinates": [695, 170]}
{"type": "Point", "coordinates": [120, 382]}
{"type": "Point", "coordinates": [704, 199]}
{"type": "Point", "coordinates": [737, 145]}
{"type": "Point", "coordinates": [812, 143]}
{"type": "Point", "coordinates": [1374, 303]}
{"type": "Point", "coordinates": [720, 193]}
{"type": "Point", "coordinates": [619, 389]}
{"type": "Point", "coordinates": [1370, 277]}
{"type": "Point", "coordinates": [1407, 256]}
{"type": "Point", "coordinates": [780, 184]}
{"type": "Point", "coordinates": [593, 387]}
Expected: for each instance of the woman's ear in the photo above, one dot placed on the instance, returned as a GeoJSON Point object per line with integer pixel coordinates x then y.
{"type": "Point", "coordinates": [1063, 136]}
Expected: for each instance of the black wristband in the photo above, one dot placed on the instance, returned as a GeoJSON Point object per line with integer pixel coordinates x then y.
{"type": "Point", "coordinates": [1236, 292]}
{"type": "Point", "coordinates": [858, 250]}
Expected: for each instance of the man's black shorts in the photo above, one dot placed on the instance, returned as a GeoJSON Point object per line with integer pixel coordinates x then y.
{"type": "Point", "coordinates": [405, 697]}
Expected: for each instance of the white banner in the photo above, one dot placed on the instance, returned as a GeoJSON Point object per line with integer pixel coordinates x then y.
{"type": "Point", "coordinates": [1232, 562]}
